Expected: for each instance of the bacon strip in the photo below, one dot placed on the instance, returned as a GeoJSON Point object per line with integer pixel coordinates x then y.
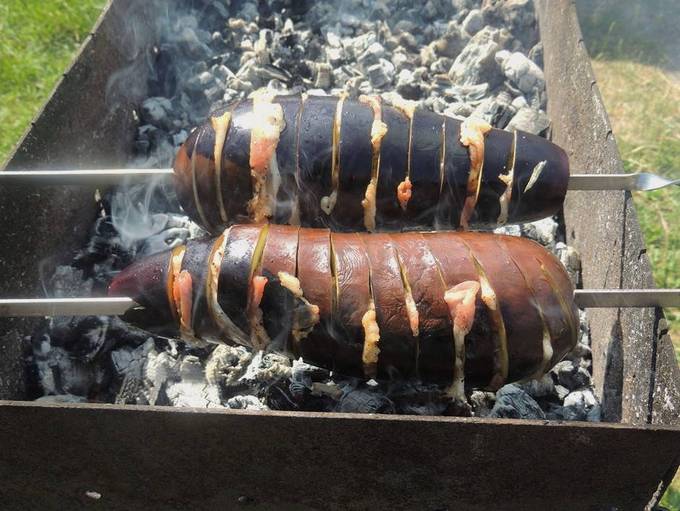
{"type": "Point", "coordinates": [182, 289]}
{"type": "Point", "coordinates": [461, 302]}
{"type": "Point", "coordinates": [472, 133]}
{"type": "Point", "coordinates": [378, 130]}
{"type": "Point", "coordinates": [267, 124]}
{"type": "Point", "coordinates": [371, 350]}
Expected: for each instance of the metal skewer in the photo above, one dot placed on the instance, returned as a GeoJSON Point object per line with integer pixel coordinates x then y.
{"type": "Point", "coordinates": [117, 306]}
{"type": "Point", "coordinates": [640, 181]}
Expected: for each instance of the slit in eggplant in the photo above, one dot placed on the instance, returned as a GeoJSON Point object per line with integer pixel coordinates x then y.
{"type": "Point", "coordinates": [259, 339]}
{"type": "Point", "coordinates": [547, 339]}
{"type": "Point", "coordinates": [564, 306]}
{"type": "Point", "coordinates": [194, 185]}
{"type": "Point", "coordinates": [328, 201]}
{"type": "Point", "coordinates": [228, 328]}
{"type": "Point", "coordinates": [221, 126]}
{"type": "Point", "coordinates": [507, 179]}
{"type": "Point", "coordinates": [490, 299]}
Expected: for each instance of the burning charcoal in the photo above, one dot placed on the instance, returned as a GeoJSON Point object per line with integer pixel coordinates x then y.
{"type": "Point", "coordinates": [407, 86]}
{"type": "Point", "coordinates": [543, 231]}
{"type": "Point", "coordinates": [514, 403]}
{"type": "Point", "coordinates": [193, 390]}
{"type": "Point", "coordinates": [365, 401]}
{"type": "Point", "coordinates": [245, 403]}
{"type": "Point", "coordinates": [582, 405]}
{"type": "Point", "coordinates": [227, 364]}
{"type": "Point", "coordinates": [323, 78]}
{"type": "Point", "coordinates": [381, 74]}
{"type": "Point", "coordinates": [473, 22]}
{"type": "Point", "coordinates": [482, 403]}
{"type": "Point", "coordinates": [570, 375]}
{"type": "Point", "coordinates": [543, 387]}
{"type": "Point", "coordinates": [521, 71]}
{"type": "Point", "coordinates": [265, 368]}
{"type": "Point", "coordinates": [529, 120]}
{"type": "Point", "coordinates": [371, 55]}
{"type": "Point", "coordinates": [477, 62]}
{"type": "Point", "coordinates": [571, 260]}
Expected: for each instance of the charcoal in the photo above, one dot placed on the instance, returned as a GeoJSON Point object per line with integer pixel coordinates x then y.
{"type": "Point", "coordinates": [542, 387]}
{"type": "Point", "coordinates": [477, 63]}
{"type": "Point", "coordinates": [381, 74]}
{"type": "Point", "coordinates": [582, 405]}
{"type": "Point", "coordinates": [365, 401]}
{"type": "Point", "coordinates": [530, 120]}
{"type": "Point", "coordinates": [542, 231]}
{"type": "Point", "coordinates": [473, 22]}
{"type": "Point", "coordinates": [521, 71]}
{"type": "Point", "coordinates": [246, 402]}
{"type": "Point", "coordinates": [482, 403]}
{"type": "Point", "coordinates": [514, 403]}
{"type": "Point", "coordinates": [571, 375]}
{"type": "Point", "coordinates": [571, 260]}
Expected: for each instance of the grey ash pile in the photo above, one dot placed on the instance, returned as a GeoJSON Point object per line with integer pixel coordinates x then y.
{"type": "Point", "coordinates": [457, 57]}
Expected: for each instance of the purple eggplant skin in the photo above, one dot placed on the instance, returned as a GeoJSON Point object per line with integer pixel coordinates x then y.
{"type": "Point", "coordinates": [393, 167]}
{"type": "Point", "coordinates": [456, 171]}
{"type": "Point", "coordinates": [426, 149]}
{"type": "Point", "coordinates": [315, 155]}
{"type": "Point", "coordinates": [145, 282]}
{"type": "Point", "coordinates": [286, 157]}
{"type": "Point", "coordinates": [546, 196]}
{"type": "Point", "coordinates": [497, 150]}
{"type": "Point", "coordinates": [195, 261]}
{"type": "Point", "coordinates": [355, 158]}
{"type": "Point", "coordinates": [237, 187]}
{"type": "Point", "coordinates": [234, 279]}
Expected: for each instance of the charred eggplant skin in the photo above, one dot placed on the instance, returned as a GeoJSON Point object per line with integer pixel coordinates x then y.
{"type": "Point", "coordinates": [423, 146]}
{"type": "Point", "coordinates": [342, 276]}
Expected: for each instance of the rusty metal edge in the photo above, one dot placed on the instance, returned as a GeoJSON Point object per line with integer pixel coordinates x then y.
{"type": "Point", "coordinates": [333, 416]}
{"type": "Point", "coordinates": [82, 49]}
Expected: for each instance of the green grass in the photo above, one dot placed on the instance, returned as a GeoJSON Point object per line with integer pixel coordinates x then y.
{"type": "Point", "coordinates": [37, 41]}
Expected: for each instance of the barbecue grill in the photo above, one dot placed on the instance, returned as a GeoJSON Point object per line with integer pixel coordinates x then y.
{"type": "Point", "coordinates": [55, 454]}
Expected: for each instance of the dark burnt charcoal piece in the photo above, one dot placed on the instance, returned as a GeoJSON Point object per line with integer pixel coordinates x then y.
{"type": "Point", "coordinates": [145, 282]}
{"type": "Point", "coordinates": [546, 195]}
{"type": "Point", "coordinates": [456, 171]}
{"type": "Point", "coordinates": [393, 166]}
{"type": "Point", "coordinates": [234, 281]}
{"type": "Point", "coordinates": [315, 148]}
{"type": "Point", "coordinates": [196, 262]}
{"type": "Point", "coordinates": [426, 147]}
{"type": "Point", "coordinates": [497, 151]}
{"type": "Point", "coordinates": [286, 157]}
{"type": "Point", "coordinates": [236, 181]}
{"type": "Point", "coordinates": [356, 153]}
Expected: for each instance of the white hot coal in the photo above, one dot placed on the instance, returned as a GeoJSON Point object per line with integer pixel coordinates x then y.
{"type": "Point", "coordinates": [455, 57]}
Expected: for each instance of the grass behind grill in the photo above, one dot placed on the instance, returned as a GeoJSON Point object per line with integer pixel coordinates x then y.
{"type": "Point", "coordinates": [39, 39]}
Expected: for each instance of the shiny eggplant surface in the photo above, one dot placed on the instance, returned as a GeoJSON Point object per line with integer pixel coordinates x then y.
{"type": "Point", "coordinates": [355, 165]}
{"type": "Point", "coordinates": [470, 309]}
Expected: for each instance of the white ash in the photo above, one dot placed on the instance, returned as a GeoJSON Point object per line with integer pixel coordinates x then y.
{"type": "Point", "coordinates": [456, 57]}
